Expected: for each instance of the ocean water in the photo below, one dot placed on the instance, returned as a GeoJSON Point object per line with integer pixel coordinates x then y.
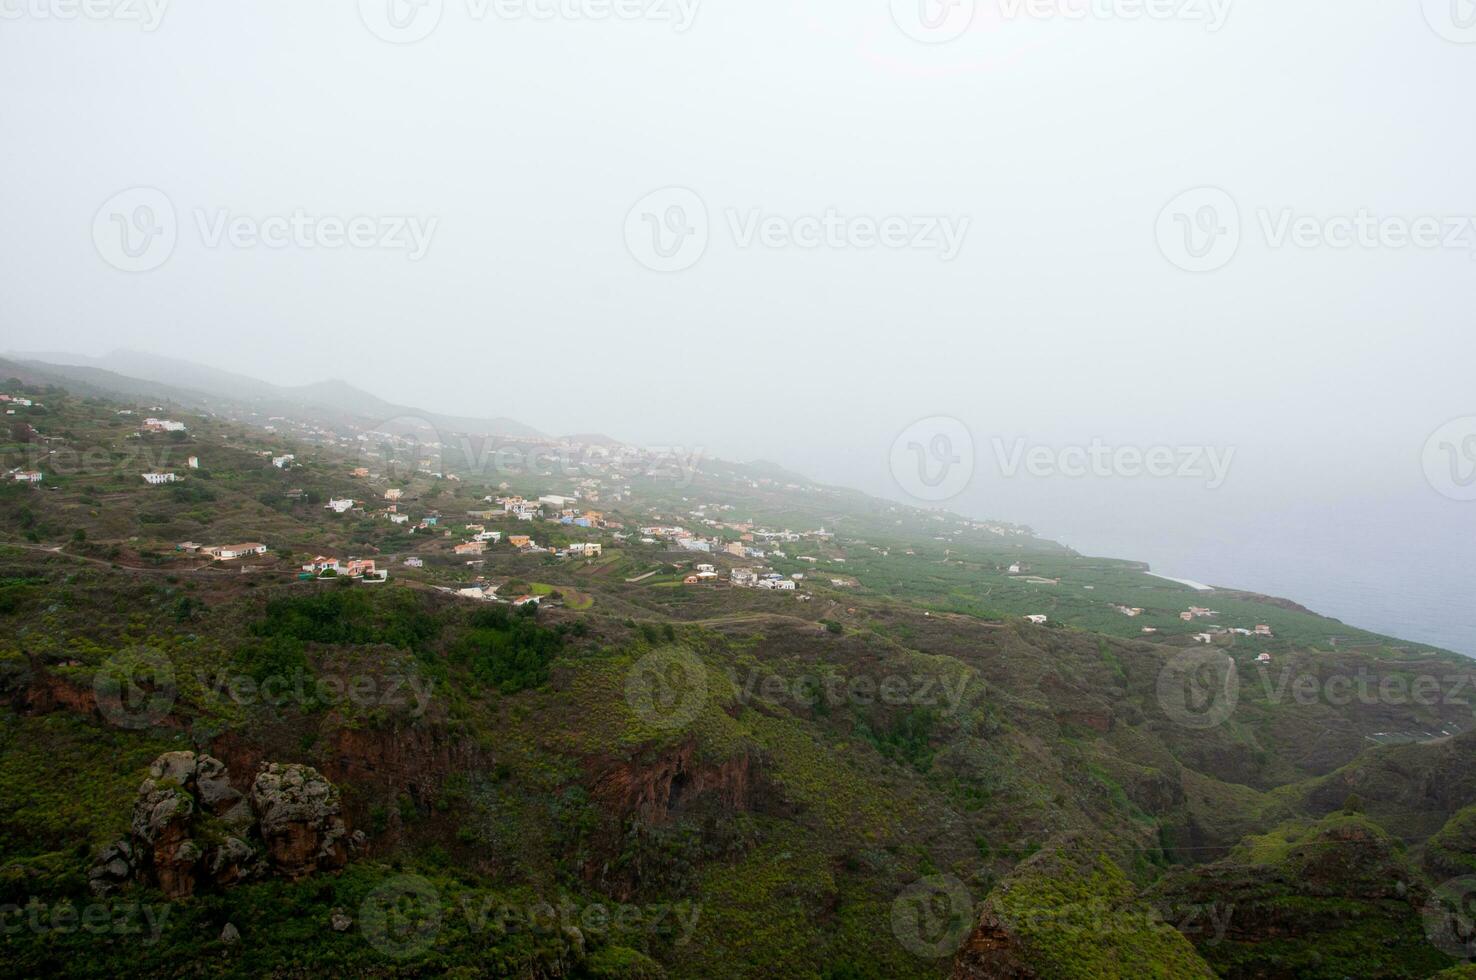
{"type": "Point", "coordinates": [1407, 572]}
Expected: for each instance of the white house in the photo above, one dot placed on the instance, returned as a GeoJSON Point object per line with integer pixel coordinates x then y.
{"type": "Point", "coordinates": [27, 476]}
{"type": "Point", "coordinates": [1037, 620]}
{"type": "Point", "coordinates": [398, 518]}
{"type": "Point", "coordinates": [230, 552]}
{"type": "Point", "coordinates": [193, 462]}
{"type": "Point", "coordinates": [556, 501]}
{"type": "Point", "coordinates": [339, 506]}
{"type": "Point", "coordinates": [588, 549]}
{"type": "Point", "coordinates": [160, 425]}
{"type": "Point", "coordinates": [744, 578]}
{"type": "Point", "coordinates": [281, 462]}
{"type": "Point", "coordinates": [393, 493]}
{"type": "Point", "coordinates": [414, 563]}
{"type": "Point", "coordinates": [154, 479]}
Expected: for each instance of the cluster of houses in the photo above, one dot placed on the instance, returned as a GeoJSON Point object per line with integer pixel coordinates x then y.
{"type": "Point", "coordinates": [11, 401]}
{"type": "Point", "coordinates": [749, 578]}
{"type": "Point", "coordinates": [362, 569]}
{"type": "Point", "coordinates": [162, 425]}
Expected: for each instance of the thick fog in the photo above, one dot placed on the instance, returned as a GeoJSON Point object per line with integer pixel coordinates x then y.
{"type": "Point", "coordinates": [871, 241]}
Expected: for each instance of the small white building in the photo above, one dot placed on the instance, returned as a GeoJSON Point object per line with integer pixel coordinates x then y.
{"type": "Point", "coordinates": [414, 563]}
{"type": "Point", "coordinates": [27, 476]}
{"type": "Point", "coordinates": [230, 552]}
{"type": "Point", "coordinates": [282, 462]}
{"type": "Point", "coordinates": [1038, 620]}
{"type": "Point", "coordinates": [339, 506]}
{"type": "Point", "coordinates": [155, 479]}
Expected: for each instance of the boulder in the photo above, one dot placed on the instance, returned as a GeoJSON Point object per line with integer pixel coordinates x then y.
{"type": "Point", "coordinates": [190, 827]}
{"type": "Point", "coordinates": [300, 818]}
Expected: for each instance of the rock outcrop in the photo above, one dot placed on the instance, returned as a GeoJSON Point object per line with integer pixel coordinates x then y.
{"type": "Point", "coordinates": [191, 828]}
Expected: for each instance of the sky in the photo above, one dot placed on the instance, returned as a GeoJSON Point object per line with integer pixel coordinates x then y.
{"type": "Point", "coordinates": [821, 234]}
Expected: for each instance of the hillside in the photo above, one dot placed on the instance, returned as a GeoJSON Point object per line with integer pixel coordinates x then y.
{"type": "Point", "coordinates": [584, 754]}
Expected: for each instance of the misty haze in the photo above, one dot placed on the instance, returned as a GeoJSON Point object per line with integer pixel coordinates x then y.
{"type": "Point", "coordinates": [654, 488]}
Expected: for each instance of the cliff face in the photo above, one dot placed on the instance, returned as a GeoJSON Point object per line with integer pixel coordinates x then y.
{"type": "Point", "coordinates": [653, 790]}
{"type": "Point", "coordinates": [1069, 912]}
{"type": "Point", "coordinates": [1332, 899]}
